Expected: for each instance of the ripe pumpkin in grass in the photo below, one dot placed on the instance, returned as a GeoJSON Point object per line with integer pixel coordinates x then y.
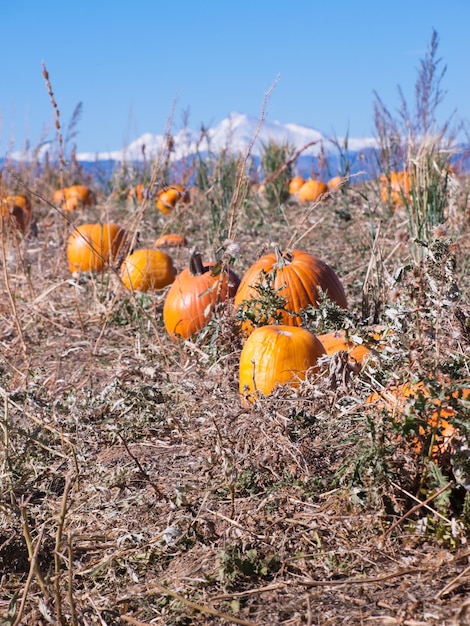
{"type": "Point", "coordinates": [336, 341]}
{"type": "Point", "coordinates": [439, 427]}
{"type": "Point", "coordinates": [170, 240]}
{"type": "Point", "coordinates": [168, 197]}
{"type": "Point", "coordinates": [144, 270]}
{"type": "Point", "coordinates": [22, 201]}
{"type": "Point", "coordinates": [276, 355]}
{"type": "Point", "coordinates": [295, 184]}
{"type": "Point", "coordinates": [312, 190]}
{"type": "Point", "coordinates": [395, 188]}
{"type": "Point", "coordinates": [92, 247]}
{"type": "Point", "coordinates": [74, 197]}
{"type": "Point", "coordinates": [192, 298]}
{"type": "Point", "coordinates": [298, 277]}
{"type": "Point", "coordinates": [17, 211]}
{"type": "Point", "coordinates": [335, 183]}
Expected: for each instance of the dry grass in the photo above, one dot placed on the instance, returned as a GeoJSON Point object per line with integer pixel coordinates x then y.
{"type": "Point", "coordinates": [136, 489]}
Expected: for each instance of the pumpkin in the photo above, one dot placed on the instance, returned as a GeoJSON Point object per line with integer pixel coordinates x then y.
{"type": "Point", "coordinates": [395, 399]}
{"type": "Point", "coordinates": [297, 277]}
{"type": "Point", "coordinates": [312, 190]}
{"type": "Point", "coordinates": [17, 211]}
{"type": "Point", "coordinates": [276, 355]}
{"type": "Point", "coordinates": [395, 188]}
{"type": "Point", "coordinates": [92, 247]}
{"type": "Point", "coordinates": [335, 341]}
{"type": "Point", "coordinates": [74, 197]}
{"type": "Point", "coordinates": [295, 184]}
{"type": "Point", "coordinates": [170, 240]}
{"type": "Point", "coordinates": [147, 269]}
{"type": "Point", "coordinates": [168, 197]}
{"type": "Point", "coordinates": [22, 201]}
{"type": "Point", "coordinates": [192, 298]}
{"type": "Point", "coordinates": [335, 183]}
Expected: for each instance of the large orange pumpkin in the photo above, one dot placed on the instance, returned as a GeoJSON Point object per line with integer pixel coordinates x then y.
{"type": "Point", "coordinates": [276, 355]}
{"type": "Point", "coordinates": [147, 269]}
{"type": "Point", "coordinates": [297, 277]}
{"type": "Point", "coordinates": [168, 197]}
{"type": "Point", "coordinates": [312, 190]}
{"type": "Point", "coordinates": [192, 298]}
{"type": "Point", "coordinates": [92, 247]}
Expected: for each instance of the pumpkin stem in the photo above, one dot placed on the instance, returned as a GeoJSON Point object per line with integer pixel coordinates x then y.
{"type": "Point", "coordinates": [196, 266]}
{"type": "Point", "coordinates": [282, 258]}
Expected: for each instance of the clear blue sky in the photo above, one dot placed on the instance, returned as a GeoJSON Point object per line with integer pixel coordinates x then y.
{"type": "Point", "coordinates": [131, 63]}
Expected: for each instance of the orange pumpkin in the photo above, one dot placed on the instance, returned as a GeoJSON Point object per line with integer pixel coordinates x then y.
{"type": "Point", "coordinates": [297, 277]}
{"type": "Point", "coordinates": [192, 298]}
{"type": "Point", "coordinates": [22, 201]}
{"type": "Point", "coordinates": [74, 197]}
{"type": "Point", "coordinates": [170, 240]}
{"type": "Point", "coordinates": [276, 355]}
{"type": "Point", "coordinates": [17, 211]}
{"type": "Point", "coordinates": [312, 190]}
{"type": "Point", "coordinates": [441, 430]}
{"type": "Point", "coordinates": [147, 269]}
{"type": "Point", "coordinates": [336, 341]}
{"type": "Point", "coordinates": [168, 197]}
{"type": "Point", "coordinates": [335, 183]}
{"type": "Point", "coordinates": [395, 188]}
{"type": "Point", "coordinates": [92, 247]}
{"type": "Point", "coordinates": [295, 184]}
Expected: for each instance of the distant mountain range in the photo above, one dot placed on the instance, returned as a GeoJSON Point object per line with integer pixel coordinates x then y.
{"type": "Point", "coordinates": [235, 133]}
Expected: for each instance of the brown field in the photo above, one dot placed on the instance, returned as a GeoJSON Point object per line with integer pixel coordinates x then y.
{"type": "Point", "coordinates": [136, 488]}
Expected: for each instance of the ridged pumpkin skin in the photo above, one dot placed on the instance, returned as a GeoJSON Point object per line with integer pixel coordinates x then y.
{"type": "Point", "coordinates": [297, 275]}
{"type": "Point", "coordinates": [92, 247]}
{"type": "Point", "coordinates": [276, 355]}
{"type": "Point", "coordinates": [193, 296]}
{"type": "Point", "coordinates": [312, 190]}
{"type": "Point", "coordinates": [145, 270]}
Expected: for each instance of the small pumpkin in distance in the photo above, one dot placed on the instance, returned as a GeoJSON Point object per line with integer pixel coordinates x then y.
{"type": "Point", "coordinates": [335, 183]}
{"type": "Point", "coordinates": [92, 247]}
{"type": "Point", "coordinates": [170, 240]}
{"type": "Point", "coordinates": [295, 184]}
{"type": "Point", "coordinates": [276, 355]}
{"type": "Point", "coordinates": [147, 269]}
{"type": "Point", "coordinates": [312, 190]}
{"type": "Point", "coordinates": [168, 197]}
{"type": "Point", "coordinates": [74, 197]}
{"type": "Point", "coordinates": [297, 276]}
{"type": "Point", "coordinates": [193, 296]}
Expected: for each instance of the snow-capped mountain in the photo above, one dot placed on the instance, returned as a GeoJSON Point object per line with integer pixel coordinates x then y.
{"type": "Point", "coordinates": [235, 133]}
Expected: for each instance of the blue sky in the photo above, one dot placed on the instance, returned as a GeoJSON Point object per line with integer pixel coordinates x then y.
{"type": "Point", "coordinates": [138, 66]}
